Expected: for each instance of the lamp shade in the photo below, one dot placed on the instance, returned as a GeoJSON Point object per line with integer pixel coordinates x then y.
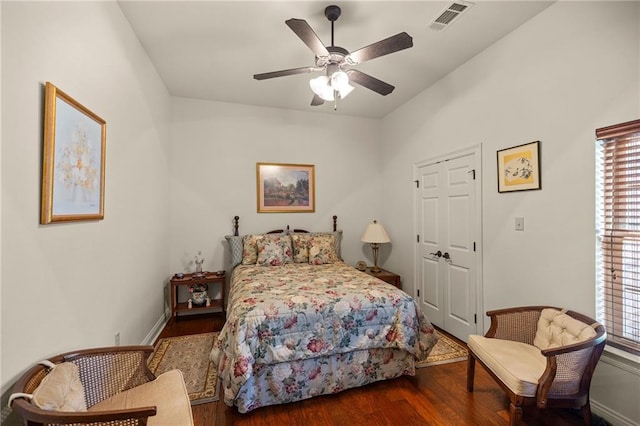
{"type": "Point", "coordinates": [339, 80]}
{"type": "Point", "coordinates": [321, 87]}
{"type": "Point", "coordinates": [345, 91]}
{"type": "Point", "coordinates": [375, 233]}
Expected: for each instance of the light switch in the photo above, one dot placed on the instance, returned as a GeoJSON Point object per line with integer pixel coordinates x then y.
{"type": "Point", "coordinates": [519, 223]}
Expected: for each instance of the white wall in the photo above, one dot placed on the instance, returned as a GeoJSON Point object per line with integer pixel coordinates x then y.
{"type": "Point", "coordinates": [571, 69]}
{"type": "Point", "coordinates": [66, 286]}
{"type": "Point", "coordinates": [214, 153]}
{"type": "Point", "coordinates": [1, 383]}
{"type": "Point", "coordinates": [549, 80]}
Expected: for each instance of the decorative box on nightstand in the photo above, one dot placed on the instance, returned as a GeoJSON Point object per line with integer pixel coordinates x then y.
{"type": "Point", "coordinates": [386, 276]}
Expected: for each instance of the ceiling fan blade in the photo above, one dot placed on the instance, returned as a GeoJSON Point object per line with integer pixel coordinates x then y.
{"type": "Point", "coordinates": [371, 83]}
{"type": "Point", "coordinates": [317, 100]}
{"type": "Point", "coordinates": [308, 36]}
{"type": "Point", "coordinates": [283, 73]}
{"type": "Point", "coordinates": [392, 44]}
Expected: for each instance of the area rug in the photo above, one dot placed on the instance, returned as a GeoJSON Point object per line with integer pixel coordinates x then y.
{"type": "Point", "coordinates": [190, 355]}
{"type": "Point", "coordinates": [445, 351]}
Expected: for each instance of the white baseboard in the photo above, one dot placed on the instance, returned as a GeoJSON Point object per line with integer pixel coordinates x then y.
{"type": "Point", "coordinates": [157, 328]}
{"type": "Point", "coordinates": [611, 416]}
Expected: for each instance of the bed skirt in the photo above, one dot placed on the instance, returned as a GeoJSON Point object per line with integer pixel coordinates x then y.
{"type": "Point", "coordinates": [297, 380]}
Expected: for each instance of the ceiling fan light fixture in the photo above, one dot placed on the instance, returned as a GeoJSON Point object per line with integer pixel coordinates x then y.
{"type": "Point", "coordinates": [326, 87]}
{"type": "Point", "coordinates": [339, 80]}
{"type": "Point", "coordinates": [318, 83]}
{"type": "Point", "coordinates": [321, 87]}
{"type": "Point", "coordinates": [345, 91]}
{"type": "Point", "coordinates": [327, 94]}
{"type": "Point", "coordinates": [340, 83]}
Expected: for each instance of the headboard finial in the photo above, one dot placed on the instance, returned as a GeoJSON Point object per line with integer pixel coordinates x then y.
{"type": "Point", "coordinates": [236, 219]}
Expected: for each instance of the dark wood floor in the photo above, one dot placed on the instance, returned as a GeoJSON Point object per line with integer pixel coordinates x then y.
{"type": "Point", "coordinates": [435, 396]}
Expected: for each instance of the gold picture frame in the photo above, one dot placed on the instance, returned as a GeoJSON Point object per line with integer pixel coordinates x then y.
{"type": "Point", "coordinates": [73, 160]}
{"type": "Point", "coordinates": [519, 168]}
{"type": "Point", "coordinates": [286, 188]}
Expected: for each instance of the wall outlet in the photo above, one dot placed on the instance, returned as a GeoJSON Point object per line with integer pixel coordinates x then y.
{"type": "Point", "coordinates": [117, 338]}
{"type": "Point", "coordinates": [519, 223]}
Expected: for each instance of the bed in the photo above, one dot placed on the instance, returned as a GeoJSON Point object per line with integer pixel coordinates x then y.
{"type": "Point", "coordinates": [302, 323]}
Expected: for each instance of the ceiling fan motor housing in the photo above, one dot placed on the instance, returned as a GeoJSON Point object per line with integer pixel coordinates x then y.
{"type": "Point", "coordinates": [337, 55]}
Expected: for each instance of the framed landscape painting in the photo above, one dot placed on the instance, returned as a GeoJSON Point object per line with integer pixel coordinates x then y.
{"type": "Point", "coordinates": [519, 168]}
{"type": "Point", "coordinates": [73, 160]}
{"type": "Point", "coordinates": [286, 188]}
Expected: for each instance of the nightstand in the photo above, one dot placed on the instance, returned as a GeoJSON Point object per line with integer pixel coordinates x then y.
{"type": "Point", "coordinates": [189, 279]}
{"type": "Point", "coordinates": [386, 276]}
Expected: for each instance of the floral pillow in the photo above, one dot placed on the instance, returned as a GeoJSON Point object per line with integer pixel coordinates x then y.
{"type": "Point", "coordinates": [250, 249]}
{"type": "Point", "coordinates": [300, 247]}
{"type": "Point", "coordinates": [322, 249]}
{"type": "Point", "coordinates": [301, 244]}
{"type": "Point", "coordinates": [270, 244]}
{"type": "Point", "coordinates": [270, 252]}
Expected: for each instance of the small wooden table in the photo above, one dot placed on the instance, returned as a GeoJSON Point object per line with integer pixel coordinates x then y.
{"type": "Point", "coordinates": [189, 279]}
{"type": "Point", "coordinates": [386, 276]}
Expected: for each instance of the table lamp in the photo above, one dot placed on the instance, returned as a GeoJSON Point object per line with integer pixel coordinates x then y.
{"type": "Point", "coordinates": [375, 235]}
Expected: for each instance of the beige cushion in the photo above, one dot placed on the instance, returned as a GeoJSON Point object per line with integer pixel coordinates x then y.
{"type": "Point", "coordinates": [61, 390]}
{"type": "Point", "coordinates": [516, 364]}
{"type": "Point", "coordinates": [167, 393]}
{"type": "Point", "coordinates": [555, 329]}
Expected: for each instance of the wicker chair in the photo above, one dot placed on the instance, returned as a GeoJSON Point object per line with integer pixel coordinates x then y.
{"type": "Point", "coordinates": [558, 376]}
{"type": "Point", "coordinates": [104, 373]}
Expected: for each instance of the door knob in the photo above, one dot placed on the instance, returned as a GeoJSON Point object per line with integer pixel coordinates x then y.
{"type": "Point", "coordinates": [446, 256]}
{"type": "Point", "coordinates": [437, 254]}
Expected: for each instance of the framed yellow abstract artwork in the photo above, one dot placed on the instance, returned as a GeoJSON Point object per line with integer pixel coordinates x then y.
{"type": "Point", "coordinates": [519, 168]}
{"type": "Point", "coordinates": [73, 160]}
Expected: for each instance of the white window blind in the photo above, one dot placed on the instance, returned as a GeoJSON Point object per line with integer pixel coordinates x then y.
{"type": "Point", "coordinates": [618, 233]}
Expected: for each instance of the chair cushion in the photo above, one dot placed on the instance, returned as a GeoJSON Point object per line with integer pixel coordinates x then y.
{"type": "Point", "coordinates": [555, 329]}
{"type": "Point", "coordinates": [167, 393]}
{"type": "Point", "coordinates": [517, 365]}
{"type": "Point", "coordinates": [61, 390]}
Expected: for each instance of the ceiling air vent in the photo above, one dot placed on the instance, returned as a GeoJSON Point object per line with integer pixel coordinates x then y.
{"type": "Point", "coordinates": [449, 15]}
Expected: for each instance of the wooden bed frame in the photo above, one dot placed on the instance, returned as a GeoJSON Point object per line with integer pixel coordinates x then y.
{"type": "Point", "coordinates": [236, 226]}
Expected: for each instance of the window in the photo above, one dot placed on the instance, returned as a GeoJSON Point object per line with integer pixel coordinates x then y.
{"type": "Point", "coordinates": [618, 234]}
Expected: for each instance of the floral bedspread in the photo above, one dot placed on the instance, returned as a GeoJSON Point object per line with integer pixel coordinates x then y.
{"type": "Point", "coordinates": [298, 312]}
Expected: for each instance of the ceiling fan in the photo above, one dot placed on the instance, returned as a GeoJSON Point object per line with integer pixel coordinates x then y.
{"type": "Point", "coordinates": [337, 62]}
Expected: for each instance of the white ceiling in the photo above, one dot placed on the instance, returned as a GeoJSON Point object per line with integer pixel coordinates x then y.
{"type": "Point", "coordinates": [211, 49]}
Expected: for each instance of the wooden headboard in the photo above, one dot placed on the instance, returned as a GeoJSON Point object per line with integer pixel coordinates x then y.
{"type": "Point", "coordinates": [236, 226]}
